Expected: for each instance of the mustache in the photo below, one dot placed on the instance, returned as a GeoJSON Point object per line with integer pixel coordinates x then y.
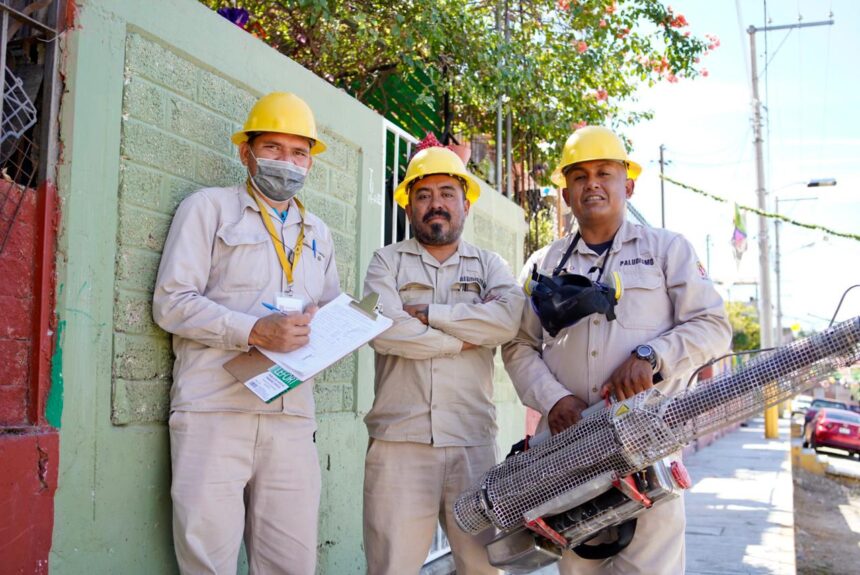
{"type": "Point", "coordinates": [434, 213]}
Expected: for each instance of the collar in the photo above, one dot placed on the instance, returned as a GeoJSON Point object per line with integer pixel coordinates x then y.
{"type": "Point", "coordinates": [293, 216]}
{"type": "Point", "coordinates": [414, 247]}
{"type": "Point", "coordinates": [627, 232]}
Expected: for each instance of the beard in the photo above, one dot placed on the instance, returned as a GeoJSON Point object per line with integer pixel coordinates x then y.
{"type": "Point", "coordinates": [434, 234]}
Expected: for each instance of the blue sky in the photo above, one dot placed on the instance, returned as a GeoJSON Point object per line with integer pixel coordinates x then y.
{"type": "Point", "coordinates": [812, 94]}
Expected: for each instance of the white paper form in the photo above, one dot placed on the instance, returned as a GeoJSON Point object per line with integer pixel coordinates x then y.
{"type": "Point", "coordinates": [338, 329]}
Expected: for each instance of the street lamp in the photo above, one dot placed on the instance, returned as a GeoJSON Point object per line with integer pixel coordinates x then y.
{"type": "Point", "coordinates": [814, 183]}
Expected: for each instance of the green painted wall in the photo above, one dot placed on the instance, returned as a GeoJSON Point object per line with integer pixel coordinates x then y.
{"type": "Point", "coordinates": [153, 91]}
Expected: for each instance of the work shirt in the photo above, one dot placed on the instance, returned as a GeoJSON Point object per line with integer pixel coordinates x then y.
{"type": "Point", "coordinates": [668, 302]}
{"type": "Point", "coordinates": [218, 267]}
{"type": "Point", "coordinates": [427, 389]}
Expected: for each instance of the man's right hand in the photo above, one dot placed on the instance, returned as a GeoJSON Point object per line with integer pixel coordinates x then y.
{"type": "Point", "coordinates": [566, 412]}
{"type": "Point", "coordinates": [283, 333]}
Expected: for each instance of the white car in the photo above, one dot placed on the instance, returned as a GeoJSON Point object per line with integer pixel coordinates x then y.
{"type": "Point", "coordinates": [800, 402]}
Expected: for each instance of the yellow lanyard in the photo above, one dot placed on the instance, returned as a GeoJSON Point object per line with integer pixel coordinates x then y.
{"type": "Point", "coordinates": [276, 238]}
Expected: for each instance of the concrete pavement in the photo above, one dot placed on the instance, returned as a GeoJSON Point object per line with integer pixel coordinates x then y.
{"type": "Point", "coordinates": [740, 510]}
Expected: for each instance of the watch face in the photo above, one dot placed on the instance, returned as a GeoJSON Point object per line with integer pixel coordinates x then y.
{"type": "Point", "coordinates": [644, 351]}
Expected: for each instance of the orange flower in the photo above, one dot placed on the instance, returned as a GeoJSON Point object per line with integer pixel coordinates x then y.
{"type": "Point", "coordinates": [581, 46]}
{"type": "Point", "coordinates": [678, 21]}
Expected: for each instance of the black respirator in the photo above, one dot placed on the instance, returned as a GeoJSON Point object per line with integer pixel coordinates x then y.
{"type": "Point", "coordinates": [561, 300]}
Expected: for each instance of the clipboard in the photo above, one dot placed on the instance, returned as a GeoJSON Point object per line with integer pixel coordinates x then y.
{"type": "Point", "coordinates": [338, 328]}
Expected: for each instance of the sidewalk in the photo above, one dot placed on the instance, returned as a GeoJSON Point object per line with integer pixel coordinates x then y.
{"type": "Point", "coordinates": [740, 511]}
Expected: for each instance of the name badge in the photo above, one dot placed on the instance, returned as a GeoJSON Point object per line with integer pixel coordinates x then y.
{"type": "Point", "coordinates": [289, 304]}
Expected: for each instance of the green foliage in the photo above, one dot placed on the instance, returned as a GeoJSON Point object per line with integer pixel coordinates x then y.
{"type": "Point", "coordinates": [565, 62]}
{"type": "Point", "coordinates": [746, 334]}
{"type": "Point", "coordinates": [542, 227]}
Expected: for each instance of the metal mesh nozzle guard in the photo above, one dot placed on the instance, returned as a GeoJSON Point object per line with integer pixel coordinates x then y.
{"type": "Point", "coordinates": [631, 435]}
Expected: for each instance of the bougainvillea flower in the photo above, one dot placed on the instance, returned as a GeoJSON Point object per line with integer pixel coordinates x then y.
{"type": "Point", "coordinates": [238, 16]}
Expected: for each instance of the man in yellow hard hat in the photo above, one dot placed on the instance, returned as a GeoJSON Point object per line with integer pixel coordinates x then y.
{"type": "Point", "coordinates": [668, 320]}
{"type": "Point", "coordinates": [432, 424]}
{"type": "Point", "coordinates": [241, 464]}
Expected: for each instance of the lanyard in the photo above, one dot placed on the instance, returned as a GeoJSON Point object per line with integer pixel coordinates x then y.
{"type": "Point", "coordinates": [569, 251]}
{"type": "Point", "coordinates": [286, 264]}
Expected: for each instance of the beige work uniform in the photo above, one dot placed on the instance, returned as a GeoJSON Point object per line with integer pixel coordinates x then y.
{"type": "Point", "coordinates": [238, 463]}
{"type": "Point", "coordinates": [432, 424]}
{"type": "Point", "coordinates": [668, 303]}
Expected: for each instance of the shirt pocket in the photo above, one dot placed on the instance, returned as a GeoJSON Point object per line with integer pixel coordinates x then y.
{"type": "Point", "coordinates": [644, 302]}
{"type": "Point", "coordinates": [465, 292]}
{"type": "Point", "coordinates": [315, 254]}
{"type": "Point", "coordinates": [243, 259]}
{"type": "Point", "coordinates": [416, 293]}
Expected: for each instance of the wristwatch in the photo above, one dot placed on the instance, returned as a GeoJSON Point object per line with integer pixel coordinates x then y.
{"type": "Point", "coordinates": [646, 352]}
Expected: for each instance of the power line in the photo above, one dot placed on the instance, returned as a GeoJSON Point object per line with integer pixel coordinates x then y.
{"type": "Point", "coordinates": [764, 213]}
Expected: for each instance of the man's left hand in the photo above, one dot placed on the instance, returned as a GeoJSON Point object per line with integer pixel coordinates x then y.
{"type": "Point", "coordinates": [418, 311]}
{"type": "Point", "coordinates": [628, 379]}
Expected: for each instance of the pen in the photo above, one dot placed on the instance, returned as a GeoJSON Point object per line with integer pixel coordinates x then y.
{"type": "Point", "coordinates": [270, 307]}
{"type": "Point", "coordinates": [314, 247]}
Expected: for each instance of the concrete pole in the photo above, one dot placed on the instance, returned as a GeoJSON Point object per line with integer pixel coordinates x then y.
{"type": "Point", "coordinates": [499, 135]}
{"type": "Point", "coordinates": [662, 191]}
{"type": "Point", "coordinates": [776, 258]}
{"type": "Point", "coordinates": [509, 167]}
{"type": "Point", "coordinates": [771, 423]}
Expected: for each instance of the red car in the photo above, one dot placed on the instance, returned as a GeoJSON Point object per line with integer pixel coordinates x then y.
{"type": "Point", "coordinates": [818, 404]}
{"type": "Point", "coordinates": [837, 428]}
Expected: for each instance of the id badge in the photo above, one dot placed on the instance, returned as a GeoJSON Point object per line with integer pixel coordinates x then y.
{"type": "Point", "coordinates": [289, 304]}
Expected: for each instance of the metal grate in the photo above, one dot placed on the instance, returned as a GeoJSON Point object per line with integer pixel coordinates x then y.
{"type": "Point", "coordinates": [627, 437]}
{"type": "Point", "coordinates": [29, 94]}
{"type": "Point", "coordinates": [398, 145]}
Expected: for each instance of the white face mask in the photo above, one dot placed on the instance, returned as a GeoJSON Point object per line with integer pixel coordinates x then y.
{"type": "Point", "coordinates": [278, 180]}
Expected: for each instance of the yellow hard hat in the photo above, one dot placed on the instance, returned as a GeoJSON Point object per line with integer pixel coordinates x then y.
{"type": "Point", "coordinates": [283, 113]}
{"type": "Point", "coordinates": [593, 143]}
{"type": "Point", "coordinates": [432, 161]}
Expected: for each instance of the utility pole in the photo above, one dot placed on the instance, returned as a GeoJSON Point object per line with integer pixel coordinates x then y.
{"type": "Point", "coordinates": [771, 423]}
{"type": "Point", "coordinates": [708, 252]}
{"type": "Point", "coordinates": [509, 168]}
{"type": "Point", "coordinates": [815, 183]}
{"type": "Point", "coordinates": [499, 178]}
{"type": "Point", "coordinates": [662, 190]}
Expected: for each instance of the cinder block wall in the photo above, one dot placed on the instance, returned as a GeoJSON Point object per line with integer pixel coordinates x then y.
{"type": "Point", "coordinates": [177, 120]}
{"type": "Point", "coordinates": [153, 92]}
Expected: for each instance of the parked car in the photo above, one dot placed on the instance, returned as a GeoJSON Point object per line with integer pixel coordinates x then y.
{"type": "Point", "coordinates": [800, 403]}
{"type": "Point", "coordinates": [818, 404]}
{"type": "Point", "coordinates": [837, 428]}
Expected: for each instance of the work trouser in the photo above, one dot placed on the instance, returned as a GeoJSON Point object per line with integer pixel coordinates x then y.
{"type": "Point", "coordinates": [657, 547]}
{"type": "Point", "coordinates": [244, 472]}
{"type": "Point", "coordinates": [408, 487]}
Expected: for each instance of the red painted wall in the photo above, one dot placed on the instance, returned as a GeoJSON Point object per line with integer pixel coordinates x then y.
{"type": "Point", "coordinates": [27, 484]}
{"type": "Point", "coordinates": [18, 220]}
{"type": "Point", "coordinates": [29, 447]}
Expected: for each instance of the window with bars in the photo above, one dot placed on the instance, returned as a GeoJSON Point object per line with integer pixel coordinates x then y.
{"type": "Point", "coordinates": [28, 56]}
{"type": "Point", "coordinates": [28, 143]}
